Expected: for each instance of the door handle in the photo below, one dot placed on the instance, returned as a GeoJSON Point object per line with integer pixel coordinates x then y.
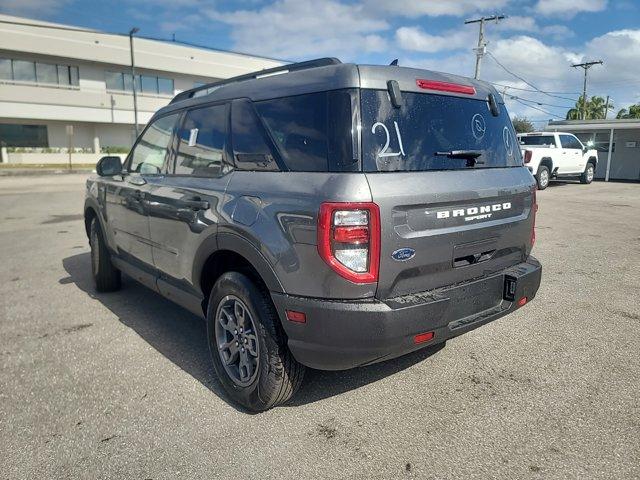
{"type": "Point", "coordinates": [197, 204]}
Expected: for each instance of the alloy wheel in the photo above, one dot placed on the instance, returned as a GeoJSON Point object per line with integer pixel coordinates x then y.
{"type": "Point", "coordinates": [237, 341]}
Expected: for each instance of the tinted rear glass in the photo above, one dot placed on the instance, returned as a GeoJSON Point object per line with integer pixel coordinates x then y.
{"type": "Point", "coordinates": [539, 140]}
{"type": "Point", "coordinates": [407, 138]}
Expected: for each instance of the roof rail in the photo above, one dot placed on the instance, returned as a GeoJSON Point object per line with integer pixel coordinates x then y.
{"type": "Point", "coordinates": [291, 67]}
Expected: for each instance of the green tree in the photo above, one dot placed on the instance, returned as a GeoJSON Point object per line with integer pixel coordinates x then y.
{"type": "Point", "coordinates": [632, 112]}
{"type": "Point", "coordinates": [522, 125]}
{"type": "Point", "coordinates": [596, 108]}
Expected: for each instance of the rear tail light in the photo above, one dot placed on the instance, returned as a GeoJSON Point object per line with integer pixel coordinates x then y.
{"type": "Point", "coordinates": [445, 86]}
{"type": "Point", "coordinates": [349, 239]}
{"type": "Point", "coordinates": [534, 210]}
{"type": "Point", "coordinates": [527, 156]}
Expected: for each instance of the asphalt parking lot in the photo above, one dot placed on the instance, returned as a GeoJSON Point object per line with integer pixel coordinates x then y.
{"type": "Point", "coordinates": [120, 386]}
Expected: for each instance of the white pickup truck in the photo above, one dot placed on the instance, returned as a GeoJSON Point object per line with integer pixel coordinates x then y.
{"type": "Point", "coordinates": [557, 155]}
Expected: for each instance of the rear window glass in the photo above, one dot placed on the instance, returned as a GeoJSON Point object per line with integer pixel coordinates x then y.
{"type": "Point", "coordinates": [415, 136]}
{"type": "Point", "coordinates": [313, 132]}
{"type": "Point", "coordinates": [249, 144]}
{"type": "Point", "coordinates": [538, 140]}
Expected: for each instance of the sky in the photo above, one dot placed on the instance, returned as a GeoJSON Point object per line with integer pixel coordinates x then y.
{"type": "Point", "coordinates": [536, 44]}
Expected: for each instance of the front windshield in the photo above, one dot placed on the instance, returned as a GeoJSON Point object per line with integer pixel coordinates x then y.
{"type": "Point", "coordinates": [417, 136]}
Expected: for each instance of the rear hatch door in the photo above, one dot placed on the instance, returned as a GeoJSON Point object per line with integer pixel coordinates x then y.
{"type": "Point", "coordinates": [447, 217]}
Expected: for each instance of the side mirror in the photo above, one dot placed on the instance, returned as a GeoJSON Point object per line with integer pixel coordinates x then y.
{"type": "Point", "coordinates": [109, 166]}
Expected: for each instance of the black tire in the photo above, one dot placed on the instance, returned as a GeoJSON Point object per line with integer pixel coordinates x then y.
{"type": "Point", "coordinates": [542, 177]}
{"type": "Point", "coordinates": [588, 174]}
{"type": "Point", "coordinates": [105, 276]}
{"type": "Point", "coordinates": [277, 375]}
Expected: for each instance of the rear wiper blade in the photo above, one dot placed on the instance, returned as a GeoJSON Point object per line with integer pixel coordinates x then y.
{"type": "Point", "coordinates": [460, 154]}
{"type": "Point", "coordinates": [470, 155]}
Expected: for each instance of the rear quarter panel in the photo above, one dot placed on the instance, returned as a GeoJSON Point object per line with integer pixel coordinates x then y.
{"type": "Point", "coordinates": [277, 212]}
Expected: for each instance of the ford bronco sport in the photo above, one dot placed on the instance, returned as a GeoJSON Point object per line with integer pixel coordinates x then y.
{"type": "Point", "coordinates": [321, 214]}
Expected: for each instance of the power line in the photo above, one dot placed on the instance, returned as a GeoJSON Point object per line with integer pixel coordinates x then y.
{"type": "Point", "coordinates": [525, 81]}
{"type": "Point", "coordinates": [514, 97]}
{"type": "Point", "coordinates": [482, 46]}
{"type": "Point", "coordinates": [539, 109]}
{"type": "Point", "coordinates": [531, 90]}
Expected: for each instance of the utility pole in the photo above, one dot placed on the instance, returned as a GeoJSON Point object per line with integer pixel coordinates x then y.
{"type": "Point", "coordinates": [606, 108]}
{"type": "Point", "coordinates": [133, 31]}
{"type": "Point", "coordinates": [482, 46]}
{"type": "Point", "coordinates": [586, 66]}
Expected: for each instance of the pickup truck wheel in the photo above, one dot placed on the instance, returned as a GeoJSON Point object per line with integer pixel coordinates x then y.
{"type": "Point", "coordinates": [105, 275]}
{"type": "Point", "coordinates": [588, 174]}
{"type": "Point", "coordinates": [248, 346]}
{"type": "Point", "coordinates": [542, 177]}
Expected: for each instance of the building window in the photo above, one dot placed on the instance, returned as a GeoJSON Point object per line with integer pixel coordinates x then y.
{"type": "Point", "coordinates": [46, 73]}
{"type": "Point", "coordinates": [122, 82]}
{"type": "Point", "coordinates": [149, 84]}
{"type": "Point", "coordinates": [165, 86]}
{"type": "Point", "coordinates": [12, 135]}
{"type": "Point", "coordinates": [115, 81]}
{"type": "Point", "coordinates": [6, 72]}
{"type": "Point", "coordinates": [41, 73]}
{"type": "Point", "coordinates": [24, 71]}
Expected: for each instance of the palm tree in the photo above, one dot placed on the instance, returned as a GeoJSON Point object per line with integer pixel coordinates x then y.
{"type": "Point", "coordinates": [595, 108]}
{"type": "Point", "coordinates": [633, 112]}
{"type": "Point", "coordinates": [575, 113]}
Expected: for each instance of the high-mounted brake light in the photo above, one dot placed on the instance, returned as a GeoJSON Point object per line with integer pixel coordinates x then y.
{"type": "Point", "coordinates": [528, 154]}
{"type": "Point", "coordinates": [445, 86]}
{"type": "Point", "coordinates": [349, 239]}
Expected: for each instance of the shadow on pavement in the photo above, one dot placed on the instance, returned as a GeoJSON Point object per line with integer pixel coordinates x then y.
{"type": "Point", "coordinates": [181, 337]}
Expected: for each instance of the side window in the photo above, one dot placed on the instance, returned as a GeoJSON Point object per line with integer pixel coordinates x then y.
{"type": "Point", "coordinates": [569, 141]}
{"type": "Point", "coordinates": [201, 142]}
{"type": "Point", "coordinates": [249, 145]}
{"type": "Point", "coordinates": [299, 127]}
{"type": "Point", "coordinates": [151, 150]}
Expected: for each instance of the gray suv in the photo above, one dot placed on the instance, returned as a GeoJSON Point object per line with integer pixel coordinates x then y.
{"type": "Point", "coordinates": [321, 214]}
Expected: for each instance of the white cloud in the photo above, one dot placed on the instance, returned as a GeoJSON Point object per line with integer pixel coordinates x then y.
{"type": "Point", "coordinates": [32, 8]}
{"type": "Point", "coordinates": [516, 22]}
{"type": "Point", "coordinates": [435, 8]}
{"type": "Point", "coordinates": [569, 7]}
{"type": "Point", "coordinates": [293, 29]}
{"type": "Point", "coordinates": [557, 32]}
{"type": "Point", "coordinates": [415, 39]}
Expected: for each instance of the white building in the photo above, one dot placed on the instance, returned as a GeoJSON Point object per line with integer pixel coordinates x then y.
{"type": "Point", "coordinates": [54, 76]}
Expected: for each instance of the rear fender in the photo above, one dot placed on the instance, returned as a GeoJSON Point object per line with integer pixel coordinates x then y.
{"type": "Point", "coordinates": [241, 246]}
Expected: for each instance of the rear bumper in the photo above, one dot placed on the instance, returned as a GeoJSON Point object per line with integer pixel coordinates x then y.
{"type": "Point", "coordinates": [339, 335]}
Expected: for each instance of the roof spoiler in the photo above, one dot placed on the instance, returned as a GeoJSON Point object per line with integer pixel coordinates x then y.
{"type": "Point", "coordinates": [291, 67]}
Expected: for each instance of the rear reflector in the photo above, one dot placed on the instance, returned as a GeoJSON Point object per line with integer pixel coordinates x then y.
{"type": "Point", "coordinates": [522, 301]}
{"type": "Point", "coordinates": [351, 234]}
{"type": "Point", "coordinates": [445, 86]}
{"type": "Point", "coordinates": [423, 337]}
{"type": "Point", "coordinates": [297, 317]}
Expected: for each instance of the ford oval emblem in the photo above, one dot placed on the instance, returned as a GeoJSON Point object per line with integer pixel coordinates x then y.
{"type": "Point", "coordinates": [403, 254]}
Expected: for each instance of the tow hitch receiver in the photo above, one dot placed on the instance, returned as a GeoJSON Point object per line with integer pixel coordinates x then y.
{"type": "Point", "coordinates": [510, 286]}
